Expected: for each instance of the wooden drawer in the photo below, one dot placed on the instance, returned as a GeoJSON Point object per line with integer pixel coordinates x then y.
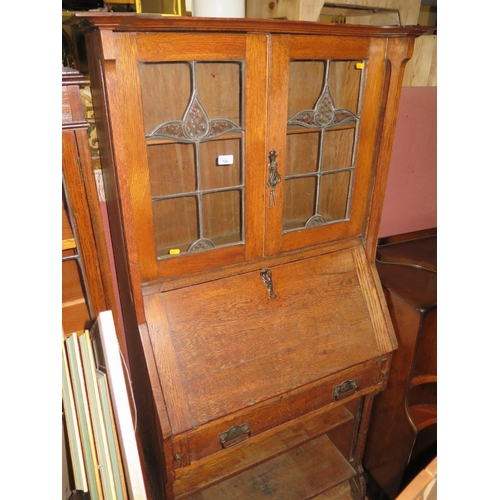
{"type": "Point", "coordinates": [259, 449]}
{"type": "Point", "coordinates": [244, 425]}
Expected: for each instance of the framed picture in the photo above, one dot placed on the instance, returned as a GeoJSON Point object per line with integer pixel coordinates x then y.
{"type": "Point", "coordinates": [98, 415]}
{"type": "Point", "coordinates": [112, 378]}
{"type": "Point", "coordinates": [83, 416]}
{"type": "Point", "coordinates": [72, 427]}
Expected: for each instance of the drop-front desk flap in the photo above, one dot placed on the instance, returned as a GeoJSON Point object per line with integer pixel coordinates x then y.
{"type": "Point", "coordinates": [241, 357]}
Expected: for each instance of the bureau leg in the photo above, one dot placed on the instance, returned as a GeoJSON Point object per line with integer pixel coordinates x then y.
{"type": "Point", "coordinates": [358, 483]}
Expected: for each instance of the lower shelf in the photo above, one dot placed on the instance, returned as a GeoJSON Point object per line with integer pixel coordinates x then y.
{"type": "Point", "coordinates": [314, 470]}
{"type": "Point", "coordinates": [260, 449]}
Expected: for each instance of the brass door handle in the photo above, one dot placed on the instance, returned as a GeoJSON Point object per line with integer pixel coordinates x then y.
{"type": "Point", "coordinates": [274, 176]}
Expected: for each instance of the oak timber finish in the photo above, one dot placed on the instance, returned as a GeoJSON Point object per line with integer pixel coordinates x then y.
{"type": "Point", "coordinates": [205, 378]}
{"type": "Point", "coordinates": [131, 22]}
{"type": "Point", "coordinates": [296, 360]}
{"type": "Point", "coordinates": [162, 217]}
{"type": "Point", "coordinates": [203, 441]}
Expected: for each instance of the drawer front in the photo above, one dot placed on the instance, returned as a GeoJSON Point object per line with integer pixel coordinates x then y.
{"type": "Point", "coordinates": [241, 426]}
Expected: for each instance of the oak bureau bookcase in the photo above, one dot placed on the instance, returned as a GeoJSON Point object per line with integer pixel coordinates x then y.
{"type": "Point", "coordinates": [244, 164]}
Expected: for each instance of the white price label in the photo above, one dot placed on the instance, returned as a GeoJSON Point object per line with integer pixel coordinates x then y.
{"type": "Point", "coordinates": [225, 160]}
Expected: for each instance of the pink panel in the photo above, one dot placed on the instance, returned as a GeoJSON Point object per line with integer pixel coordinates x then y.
{"type": "Point", "coordinates": [411, 196]}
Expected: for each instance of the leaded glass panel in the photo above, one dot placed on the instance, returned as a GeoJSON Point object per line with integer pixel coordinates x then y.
{"type": "Point", "coordinates": [324, 112]}
{"type": "Point", "coordinates": [193, 118]}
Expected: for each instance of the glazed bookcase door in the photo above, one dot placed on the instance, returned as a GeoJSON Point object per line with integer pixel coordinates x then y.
{"type": "Point", "coordinates": [192, 179]}
{"type": "Point", "coordinates": [196, 162]}
{"type": "Point", "coordinates": [324, 137]}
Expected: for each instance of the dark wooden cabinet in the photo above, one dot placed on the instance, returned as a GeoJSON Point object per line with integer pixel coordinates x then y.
{"type": "Point", "coordinates": [402, 437]}
{"type": "Point", "coordinates": [244, 164]}
{"type": "Point", "coordinates": [87, 284]}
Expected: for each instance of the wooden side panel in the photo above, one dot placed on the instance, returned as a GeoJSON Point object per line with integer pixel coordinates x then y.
{"type": "Point", "coordinates": [397, 54]}
{"type": "Point", "coordinates": [167, 363]}
{"type": "Point", "coordinates": [73, 158]}
{"type": "Point", "coordinates": [101, 54]}
{"type": "Point", "coordinates": [157, 455]}
{"type": "Point", "coordinates": [388, 467]}
{"type": "Point", "coordinates": [381, 321]}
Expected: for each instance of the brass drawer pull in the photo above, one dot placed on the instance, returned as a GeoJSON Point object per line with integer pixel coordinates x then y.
{"type": "Point", "coordinates": [346, 388]}
{"type": "Point", "coordinates": [234, 435]}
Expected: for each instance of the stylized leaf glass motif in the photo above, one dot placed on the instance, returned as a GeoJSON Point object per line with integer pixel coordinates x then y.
{"type": "Point", "coordinates": [195, 128]}
{"type": "Point", "coordinates": [324, 109]}
{"type": "Point", "coordinates": [325, 116]}
{"type": "Point", "coordinates": [196, 121]}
